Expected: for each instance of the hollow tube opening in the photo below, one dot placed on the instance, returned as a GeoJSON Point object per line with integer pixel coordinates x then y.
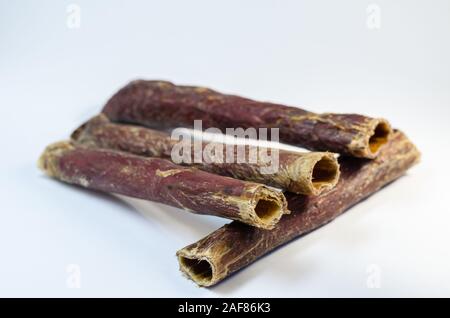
{"type": "Point", "coordinates": [200, 270]}
{"type": "Point", "coordinates": [267, 210]}
{"type": "Point", "coordinates": [325, 172]}
{"type": "Point", "coordinates": [379, 137]}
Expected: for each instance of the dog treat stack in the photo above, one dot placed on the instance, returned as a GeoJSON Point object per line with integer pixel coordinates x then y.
{"type": "Point", "coordinates": [119, 151]}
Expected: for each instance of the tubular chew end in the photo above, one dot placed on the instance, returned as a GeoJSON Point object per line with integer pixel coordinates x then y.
{"type": "Point", "coordinates": [267, 208]}
{"type": "Point", "coordinates": [200, 270]}
{"type": "Point", "coordinates": [311, 173]}
{"type": "Point", "coordinates": [325, 174]}
{"type": "Point", "coordinates": [47, 162]}
{"type": "Point", "coordinates": [378, 134]}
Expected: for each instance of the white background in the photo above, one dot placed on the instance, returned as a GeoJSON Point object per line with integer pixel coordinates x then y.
{"type": "Point", "coordinates": [316, 54]}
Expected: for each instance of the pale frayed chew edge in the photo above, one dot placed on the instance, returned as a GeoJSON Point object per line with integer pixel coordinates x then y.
{"type": "Point", "coordinates": [312, 173]}
{"type": "Point", "coordinates": [200, 270]}
{"type": "Point", "coordinates": [267, 208]}
{"type": "Point", "coordinates": [48, 160]}
{"type": "Point", "coordinates": [259, 206]}
{"type": "Point", "coordinates": [325, 174]}
{"type": "Point", "coordinates": [370, 141]}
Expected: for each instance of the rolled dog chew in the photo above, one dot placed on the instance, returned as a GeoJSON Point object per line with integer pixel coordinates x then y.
{"type": "Point", "coordinates": [236, 245]}
{"type": "Point", "coordinates": [307, 173]}
{"type": "Point", "coordinates": [161, 104]}
{"type": "Point", "coordinates": [161, 181]}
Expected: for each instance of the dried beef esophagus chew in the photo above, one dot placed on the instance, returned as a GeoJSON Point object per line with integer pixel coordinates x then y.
{"type": "Point", "coordinates": [308, 173]}
{"type": "Point", "coordinates": [236, 245]}
{"type": "Point", "coordinates": [161, 104]}
{"type": "Point", "coordinates": [161, 181]}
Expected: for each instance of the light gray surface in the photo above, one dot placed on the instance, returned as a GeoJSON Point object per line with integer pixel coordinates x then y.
{"type": "Point", "coordinates": [317, 54]}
